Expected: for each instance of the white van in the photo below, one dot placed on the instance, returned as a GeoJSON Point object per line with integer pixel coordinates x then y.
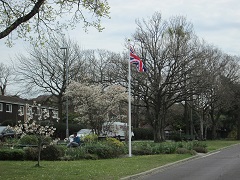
{"type": "Point", "coordinates": [117, 130]}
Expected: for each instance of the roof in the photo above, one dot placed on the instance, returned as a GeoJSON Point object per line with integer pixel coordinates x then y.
{"type": "Point", "coordinates": [15, 100]}
{"type": "Point", "coordinates": [20, 101]}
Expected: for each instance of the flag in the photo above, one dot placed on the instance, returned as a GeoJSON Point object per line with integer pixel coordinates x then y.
{"type": "Point", "coordinates": [134, 59]}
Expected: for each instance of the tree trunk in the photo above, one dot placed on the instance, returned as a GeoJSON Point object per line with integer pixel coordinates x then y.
{"type": "Point", "coordinates": [60, 108]}
{"type": "Point", "coordinates": [39, 151]}
{"type": "Point", "coordinates": [158, 131]}
{"type": "Point", "coordinates": [214, 131]}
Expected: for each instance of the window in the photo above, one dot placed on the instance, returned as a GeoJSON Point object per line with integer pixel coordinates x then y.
{"type": "Point", "coordinates": [8, 108]}
{"type": "Point", "coordinates": [29, 110]}
{"type": "Point", "coordinates": [21, 111]}
{"type": "Point", "coordinates": [1, 107]}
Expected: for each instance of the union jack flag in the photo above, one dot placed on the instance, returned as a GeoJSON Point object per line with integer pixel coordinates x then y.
{"type": "Point", "coordinates": [134, 59]}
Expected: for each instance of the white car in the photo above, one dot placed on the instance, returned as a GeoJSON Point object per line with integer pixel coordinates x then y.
{"type": "Point", "coordinates": [82, 133]}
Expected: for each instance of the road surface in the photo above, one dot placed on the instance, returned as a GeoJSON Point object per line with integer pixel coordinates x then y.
{"type": "Point", "coordinates": [220, 165]}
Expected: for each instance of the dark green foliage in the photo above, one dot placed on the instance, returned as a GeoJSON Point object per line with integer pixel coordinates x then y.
{"type": "Point", "coordinates": [75, 153]}
{"type": "Point", "coordinates": [33, 140]}
{"type": "Point", "coordinates": [111, 148]}
{"type": "Point", "coordinates": [143, 134]}
{"type": "Point", "coordinates": [31, 153]}
{"type": "Point", "coordinates": [176, 137]}
{"type": "Point", "coordinates": [103, 151]}
{"type": "Point", "coordinates": [11, 154]}
{"type": "Point", "coordinates": [142, 148]}
{"type": "Point", "coordinates": [182, 151]}
{"type": "Point", "coordinates": [200, 149]}
{"type": "Point", "coordinates": [28, 140]}
{"type": "Point", "coordinates": [199, 144]}
{"type": "Point", "coordinates": [52, 153]}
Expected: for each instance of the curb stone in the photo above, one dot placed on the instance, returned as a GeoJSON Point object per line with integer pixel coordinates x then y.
{"type": "Point", "coordinates": [157, 169]}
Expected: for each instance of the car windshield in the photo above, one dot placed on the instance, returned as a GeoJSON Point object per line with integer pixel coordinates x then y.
{"type": "Point", "coordinates": [2, 128]}
{"type": "Point", "coordinates": [5, 129]}
{"type": "Point", "coordinates": [84, 131]}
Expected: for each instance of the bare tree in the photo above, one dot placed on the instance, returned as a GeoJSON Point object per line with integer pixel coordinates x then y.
{"type": "Point", "coordinates": [44, 70]}
{"type": "Point", "coordinates": [44, 16]}
{"type": "Point", "coordinates": [169, 50]}
{"type": "Point", "coordinates": [101, 66]}
{"type": "Point", "coordinates": [5, 73]}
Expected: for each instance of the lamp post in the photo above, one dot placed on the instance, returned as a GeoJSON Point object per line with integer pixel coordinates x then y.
{"type": "Point", "coordinates": [66, 60]}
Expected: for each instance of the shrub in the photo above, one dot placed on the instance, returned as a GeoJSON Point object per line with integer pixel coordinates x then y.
{"type": "Point", "coordinates": [29, 140]}
{"type": "Point", "coordinates": [182, 151]}
{"type": "Point", "coordinates": [11, 154]}
{"type": "Point", "coordinates": [200, 149]}
{"type": "Point", "coordinates": [90, 138]}
{"type": "Point", "coordinates": [143, 134]}
{"type": "Point", "coordinates": [52, 152]}
{"type": "Point", "coordinates": [233, 134]}
{"type": "Point", "coordinates": [106, 149]}
{"type": "Point", "coordinates": [75, 153]}
{"type": "Point", "coordinates": [31, 153]}
{"type": "Point", "coordinates": [114, 142]}
{"type": "Point", "coordinates": [143, 149]}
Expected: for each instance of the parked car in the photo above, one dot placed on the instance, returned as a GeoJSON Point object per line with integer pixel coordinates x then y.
{"type": "Point", "coordinates": [82, 133]}
{"type": "Point", "coordinates": [6, 132]}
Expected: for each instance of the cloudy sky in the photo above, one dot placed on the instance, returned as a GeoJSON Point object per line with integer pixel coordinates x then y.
{"type": "Point", "coordinates": [215, 21]}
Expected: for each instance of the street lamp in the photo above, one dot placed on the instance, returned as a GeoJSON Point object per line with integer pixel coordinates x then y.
{"type": "Point", "coordinates": [66, 60]}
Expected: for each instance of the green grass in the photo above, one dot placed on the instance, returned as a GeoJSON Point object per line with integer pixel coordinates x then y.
{"type": "Point", "coordinates": [85, 169]}
{"type": "Point", "coordinates": [93, 169]}
{"type": "Point", "coordinates": [218, 144]}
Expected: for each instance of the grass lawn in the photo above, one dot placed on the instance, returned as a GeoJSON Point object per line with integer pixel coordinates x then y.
{"type": "Point", "coordinates": [93, 169]}
{"type": "Point", "coordinates": [218, 144]}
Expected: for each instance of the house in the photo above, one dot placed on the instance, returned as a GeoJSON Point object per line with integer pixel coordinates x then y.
{"type": "Point", "coordinates": [13, 109]}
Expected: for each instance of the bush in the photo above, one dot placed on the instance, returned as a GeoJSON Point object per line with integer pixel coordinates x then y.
{"type": "Point", "coordinates": [33, 140]}
{"type": "Point", "coordinates": [29, 140]}
{"type": "Point", "coordinates": [75, 153]}
{"type": "Point", "coordinates": [106, 149]}
{"type": "Point", "coordinates": [11, 154]}
{"type": "Point", "coordinates": [31, 153]}
{"type": "Point", "coordinates": [143, 134]}
{"type": "Point", "coordinates": [52, 152]}
{"type": "Point", "coordinates": [182, 151]}
{"type": "Point", "coordinates": [148, 148]}
{"type": "Point", "coordinates": [200, 149]}
{"type": "Point", "coordinates": [90, 138]}
{"type": "Point", "coordinates": [143, 149]}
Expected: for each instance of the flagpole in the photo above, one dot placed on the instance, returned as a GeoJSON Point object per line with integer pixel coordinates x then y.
{"type": "Point", "coordinates": [129, 104]}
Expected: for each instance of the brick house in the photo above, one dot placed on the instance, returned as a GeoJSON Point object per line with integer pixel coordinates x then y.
{"type": "Point", "coordinates": [13, 109]}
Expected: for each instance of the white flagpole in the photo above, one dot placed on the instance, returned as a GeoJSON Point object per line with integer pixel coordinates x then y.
{"type": "Point", "coordinates": [129, 104]}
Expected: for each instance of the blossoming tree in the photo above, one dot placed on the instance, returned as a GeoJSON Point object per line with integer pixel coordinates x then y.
{"type": "Point", "coordinates": [94, 104]}
{"type": "Point", "coordinates": [33, 126]}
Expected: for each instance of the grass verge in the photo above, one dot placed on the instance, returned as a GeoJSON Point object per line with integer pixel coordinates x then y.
{"type": "Point", "coordinates": [110, 169]}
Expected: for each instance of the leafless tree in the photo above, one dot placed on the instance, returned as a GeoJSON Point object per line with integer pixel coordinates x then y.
{"type": "Point", "coordinates": [169, 50]}
{"type": "Point", "coordinates": [45, 68]}
{"type": "Point", "coordinates": [5, 73]}
{"type": "Point", "coordinates": [101, 66]}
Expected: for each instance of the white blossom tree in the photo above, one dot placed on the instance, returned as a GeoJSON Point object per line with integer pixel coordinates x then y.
{"type": "Point", "coordinates": [34, 127]}
{"type": "Point", "coordinates": [94, 104]}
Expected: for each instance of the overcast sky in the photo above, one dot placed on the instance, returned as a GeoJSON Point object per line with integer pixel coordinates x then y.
{"type": "Point", "coordinates": [216, 21]}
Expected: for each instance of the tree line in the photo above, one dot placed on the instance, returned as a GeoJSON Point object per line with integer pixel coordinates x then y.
{"type": "Point", "coordinates": [189, 85]}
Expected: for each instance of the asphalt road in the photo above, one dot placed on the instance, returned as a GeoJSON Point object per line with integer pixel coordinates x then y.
{"type": "Point", "coordinates": [220, 165]}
